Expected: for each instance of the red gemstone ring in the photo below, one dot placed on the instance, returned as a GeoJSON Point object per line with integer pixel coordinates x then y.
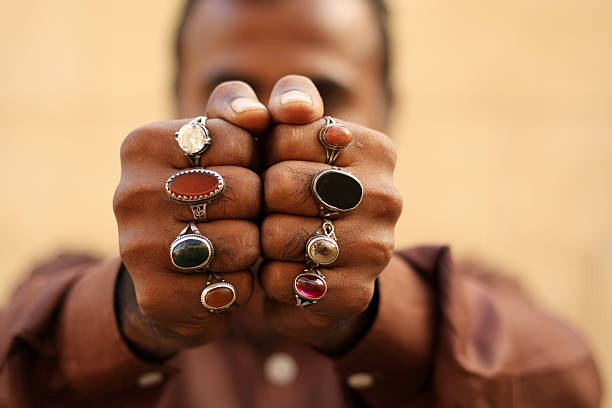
{"type": "Point", "coordinates": [219, 296]}
{"type": "Point", "coordinates": [197, 187]}
{"type": "Point", "coordinates": [309, 287]}
{"type": "Point", "coordinates": [334, 137]}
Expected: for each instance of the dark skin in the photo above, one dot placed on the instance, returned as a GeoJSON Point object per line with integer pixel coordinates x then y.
{"type": "Point", "coordinates": [267, 211]}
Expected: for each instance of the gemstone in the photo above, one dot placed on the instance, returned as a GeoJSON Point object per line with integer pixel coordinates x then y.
{"type": "Point", "coordinates": [337, 190]}
{"type": "Point", "coordinates": [192, 138]}
{"type": "Point", "coordinates": [192, 252]}
{"type": "Point", "coordinates": [195, 185]}
{"type": "Point", "coordinates": [337, 136]}
{"type": "Point", "coordinates": [219, 296]}
{"type": "Point", "coordinates": [310, 286]}
{"type": "Point", "coordinates": [322, 250]}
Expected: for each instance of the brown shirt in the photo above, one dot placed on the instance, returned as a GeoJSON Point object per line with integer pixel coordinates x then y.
{"type": "Point", "coordinates": [59, 346]}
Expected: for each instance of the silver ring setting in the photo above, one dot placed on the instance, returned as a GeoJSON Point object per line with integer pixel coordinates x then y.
{"type": "Point", "coordinates": [309, 287]}
{"type": "Point", "coordinates": [194, 139]}
{"type": "Point", "coordinates": [336, 191]}
{"type": "Point", "coordinates": [322, 248]}
{"type": "Point", "coordinates": [197, 187]}
{"type": "Point", "coordinates": [219, 296]}
{"type": "Point", "coordinates": [334, 137]}
{"type": "Point", "coordinates": [191, 250]}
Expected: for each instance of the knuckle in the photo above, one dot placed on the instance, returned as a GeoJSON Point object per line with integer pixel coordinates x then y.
{"type": "Point", "coordinates": [270, 231]}
{"type": "Point", "coordinates": [130, 197]}
{"type": "Point", "coordinates": [385, 198]}
{"type": "Point", "coordinates": [392, 202]}
{"type": "Point", "coordinates": [383, 146]}
{"type": "Point", "coordinates": [273, 279]}
{"type": "Point", "coordinates": [274, 178]}
{"type": "Point", "coordinates": [379, 251]}
{"type": "Point", "coordinates": [363, 293]}
{"type": "Point", "coordinates": [243, 193]}
{"type": "Point", "coordinates": [238, 249]}
{"type": "Point", "coordinates": [137, 142]}
{"type": "Point", "coordinates": [148, 303]}
{"type": "Point", "coordinates": [248, 245]}
{"type": "Point", "coordinates": [278, 243]}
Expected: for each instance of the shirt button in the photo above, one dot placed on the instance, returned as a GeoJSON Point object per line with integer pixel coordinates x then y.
{"type": "Point", "coordinates": [151, 379]}
{"type": "Point", "coordinates": [360, 381]}
{"type": "Point", "coordinates": [280, 369]}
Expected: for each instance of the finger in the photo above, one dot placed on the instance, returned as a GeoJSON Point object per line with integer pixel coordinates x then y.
{"type": "Point", "coordinates": [348, 294]}
{"type": "Point", "coordinates": [301, 142]}
{"type": "Point", "coordinates": [235, 243]}
{"type": "Point", "coordinates": [295, 100]}
{"type": "Point", "coordinates": [155, 145]}
{"type": "Point", "coordinates": [287, 189]}
{"type": "Point", "coordinates": [236, 102]}
{"type": "Point", "coordinates": [364, 245]}
{"type": "Point", "coordinates": [173, 300]}
{"type": "Point", "coordinates": [145, 191]}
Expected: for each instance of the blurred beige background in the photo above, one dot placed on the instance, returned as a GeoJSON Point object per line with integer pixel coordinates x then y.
{"type": "Point", "coordinates": [505, 105]}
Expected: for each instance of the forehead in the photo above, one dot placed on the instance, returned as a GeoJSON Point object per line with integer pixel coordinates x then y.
{"type": "Point", "coordinates": [277, 37]}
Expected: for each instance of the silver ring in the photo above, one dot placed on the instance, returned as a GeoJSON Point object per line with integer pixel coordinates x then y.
{"type": "Point", "coordinates": [194, 139]}
{"type": "Point", "coordinates": [336, 191]}
{"type": "Point", "coordinates": [191, 250]}
{"type": "Point", "coordinates": [322, 247]}
{"type": "Point", "coordinates": [219, 296]}
{"type": "Point", "coordinates": [334, 137]}
{"type": "Point", "coordinates": [309, 287]}
{"type": "Point", "coordinates": [198, 187]}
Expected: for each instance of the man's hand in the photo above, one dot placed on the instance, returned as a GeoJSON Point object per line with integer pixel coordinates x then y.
{"type": "Point", "coordinates": [158, 306]}
{"type": "Point", "coordinates": [292, 157]}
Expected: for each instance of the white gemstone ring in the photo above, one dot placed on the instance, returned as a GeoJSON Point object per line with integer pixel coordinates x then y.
{"type": "Point", "coordinates": [194, 139]}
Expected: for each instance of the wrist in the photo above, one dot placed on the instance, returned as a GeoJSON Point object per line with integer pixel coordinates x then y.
{"type": "Point", "coordinates": [348, 333]}
{"type": "Point", "coordinates": [134, 328]}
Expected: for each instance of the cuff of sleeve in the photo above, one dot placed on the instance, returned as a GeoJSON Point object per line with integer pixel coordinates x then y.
{"type": "Point", "coordinates": [382, 367]}
{"type": "Point", "coordinates": [94, 358]}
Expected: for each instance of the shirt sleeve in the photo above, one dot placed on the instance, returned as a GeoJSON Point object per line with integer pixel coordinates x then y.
{"type": "Point", "coordinates": [492, 346]}
{"type": "Point", "coordinates": [60, 344]}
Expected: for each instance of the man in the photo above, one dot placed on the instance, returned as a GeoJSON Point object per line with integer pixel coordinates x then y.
{"type": "Point", "coordinates": [404, 329]}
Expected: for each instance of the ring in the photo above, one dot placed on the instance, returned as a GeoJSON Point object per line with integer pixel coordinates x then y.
{"type": "Point", "coordinates": [197, 187]}
{"type": "Point", "coordinates": [322, 248]}
{"type": "Point", "coordinates": [191, 250]}
{"type": "Point", "coordinates": [194, 139]}
{"type": "Point", "coordinates": [217, 297]}
{"type": "Point", "coordinates": [336, 191]}
{"type": "Point", "coordinates": [334, 137]}
{"type": "Point", "coordinates": [309, 287]}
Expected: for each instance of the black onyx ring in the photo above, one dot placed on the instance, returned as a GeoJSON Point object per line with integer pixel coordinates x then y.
{"type": "Point", "coordinates": [191, 250]}
{"type": "Point", "coordinates": [194, 139]}
{"type": "Point", "coordinates": [198, 187]}
{"type": "Point", "coordinates": [336, 191]}
{"type": "Point", "coordinates": [334, 137]}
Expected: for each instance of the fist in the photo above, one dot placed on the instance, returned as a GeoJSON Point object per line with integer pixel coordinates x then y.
{"type": "Point", "coordinates": [159, 310]}
{"type": "Point", "coordinates": [293, 155]}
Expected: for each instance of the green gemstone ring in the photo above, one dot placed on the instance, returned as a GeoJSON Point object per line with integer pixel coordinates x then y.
{"type": "Point", "coordinates": [191, 250]}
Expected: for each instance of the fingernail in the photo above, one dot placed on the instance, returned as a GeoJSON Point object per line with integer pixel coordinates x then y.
{"type": "Point", "coordinates": [240, 105]}
{"type": "Point", "coordinates": [295, 97]}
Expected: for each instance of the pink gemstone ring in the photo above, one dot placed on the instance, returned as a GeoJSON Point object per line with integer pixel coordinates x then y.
{"type": "Point", "coordinates": [309, 287]}
{"type": "Point", "coordinates": [334, 137]}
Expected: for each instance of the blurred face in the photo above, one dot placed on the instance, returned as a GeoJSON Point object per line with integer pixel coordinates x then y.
{"type": "Point", "coordinates": [335, 43]}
